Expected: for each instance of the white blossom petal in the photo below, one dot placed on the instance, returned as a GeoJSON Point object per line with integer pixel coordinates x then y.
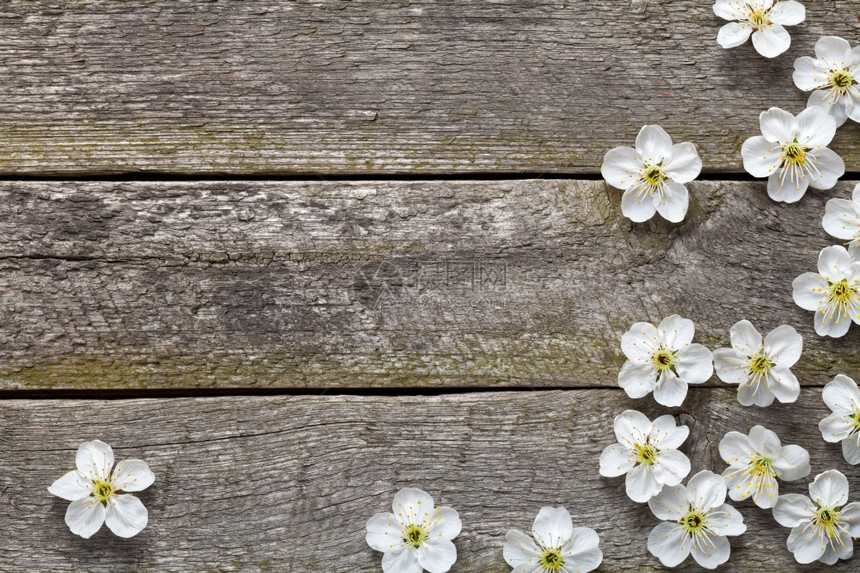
{"type": "Point", "coordinates": [677, 332]}
{"type": "Point", "coordinates": [761, 157]}
{"type": "Point", "coordinates": [851, 450]}
{"type": "Point", "coordinates": [745, 338]}
{"type": "Point", "coordinates": [85, 516]}
{"type": "Point", "coordinates": [401, 560]}
{"type": "Point", "coordinates": [582, 553]}
{"type": "Point", "coordinates": [674, 203]}
{"type": "Point", "coordinates": [552, 526]}
{"type": "Point", "coordinates": [808, 290]}
{"type": "Point", "coordinates": [706, 490]}
{"type": "Point", "coordinates": [733, 34]}
{"type": "Point", "coordinates": [830, 167]}
{"type": "Point", "coordinates": [815, 127]}
{"type": "Point", "coordinates": [653, 144]}
{"type": "Point", "coordinates": [833, 49]}
{"type": "Point", "coordinates": [520, 551]}
{"type": "Point", "coordinates": [631, 427]}
{"type": "Point", "coordinates": [836, 428]}
{"type": "Point", "coordinates": [792, 463]}
{"type": "Point", "coordinates": [786, 189]}
{"type": "Point", "coordinates": [671, 391]}
{"type": "Point", "coordinates": [850, 515]}
{"type": "Point", "coordinates": [383, 532]}
{"type": "Point", "coordinates": [674, 467]}
{"type": "Point", "coordinates": [640, 342]}
{"type": "Point", "coordinates": [829, 489]}
{"type": "Point", "coordinates": [787, 13]}
{"type": "Point", "coordinates": [126, 516]}
{"type": "Point", "coordinates": [695, 364]}
{"type": "Point", "coordinates": [841, 395]}
{"type": "Point", "coordinates": [132, 475]}
{"type": "Point", "coordinates": [777, 126]}
{"type": "Point", "coordinates": [636, 209]}
{"type": "Point", "coordinates": [730, 366]}
{"type": "Point", "coordinates": [771, 41]}
{"type": "Point", "coordinates": [409, 502]}
{"type": "Point", "coordinates": [437, 557]}
{"type": "Point", "coordinates": [621, 167]}
{"type": "Point", "coordinates": [714, 554]}
{"type": "Point", "coordinates": [726, 520]}
{"type": "Point", "coordinates": [669, 543]}
{"type": "Point", "coordinates": [783, 384]}
{"type": "Point", "coordinates": [793, 509]}
{"type": "Point", "coordinates": [807, 75]}
{"type": "Point", "coordinates": [670, 504]}
{"type": "Point", "coordinates": [666, 435]}
{"type": "Point", "coordinates": [447, 523]}
{"type": "Point", "coordinates": [94, 460]}
{"type": "Point", "coordinates": [842, 219]}
{"type": "Point", "coordinates": [641, 484]}
{"type": "Point", "coordinates": [783, 345]}
{"type": "Point", "coordinates": [805, 544]}
{"type": "Point", "coordinates": [683, 164]}
{"type": "Point", "coordinates": [72, 486]}
{"type": "Point", "coordinates": [637, 379]}
{"type": "Point", "coordinates": [616, 460]}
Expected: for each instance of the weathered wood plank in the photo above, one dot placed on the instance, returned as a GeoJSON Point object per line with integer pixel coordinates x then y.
{"type": "Point", "coordinates": [287, 483]}
{"type": "Point", "coordinates": [381, 87]}
{"type": "Point", "coordinates": [380, 284]}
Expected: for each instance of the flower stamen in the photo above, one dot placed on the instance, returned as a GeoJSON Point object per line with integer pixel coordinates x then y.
{"type": "Point", "coordinates": [551, 559]}
{"type": "Point", "coordinates": [414, 535]}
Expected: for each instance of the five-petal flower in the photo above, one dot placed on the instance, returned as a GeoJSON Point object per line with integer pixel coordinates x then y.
{"type": "Point", "coordinates": [792, 153]}
{"type": "Point", "coordinates": [833, 293]}
{"type": "Point", "coordinates": [832, 76]}
{"type": "Point", "coordinates": [842, 220]}
{"type": "Point", "coordinates": [764, 19]}
{"type": "Point", "coordinates": [843, 398]}
{"type": "Point", "coordinates": [760, 368]}
{"type": "Point", "coordinates": [696, 520]}
{"type": "Point", "coordinates": [557, 546]}
{"type": "Point", "coordinates": [756, 460]}
{"type": "Point", "coordinates": [647, 452]}
{"type": "Point", "coordinates": [92, 488]}
{"type": "Point", "coordinates": [822, 529]}
{"type": "Point", "coordinates": [664, 360]}
{"type": "Point", "coordinates": [652, 175]}
{"type": "Point", "coordinates": [416, 535]}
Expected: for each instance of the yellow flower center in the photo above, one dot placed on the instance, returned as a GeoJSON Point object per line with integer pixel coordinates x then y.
{"type": "Point", "coordinates": [693, 522]}
{"type": "Point", "coordinates": [645, 454]}
{"type": "Point", "coordinates": [664, 359]}
{"type": "Point", "coordinates": [827, 518]}
{"type": "Point", "coordinates": [414, 535]}
{"type": "Point", "coordinates": [551, 559]}
{"type": "Point", "coordinates": [841, 292]}
{"type": "Point", "coordinates": [654, 175]}
{"type": "Point", "coordinates": [856, 417]}
{"type": "Point", "coordinates": [103, 490]}
{"type": "Point", "coordinates": [841, 80]}
{"type": "Point", "coordinates": [759, 363]}
{"type": "Point", "coordinates": [758, 17]}
{"type": "Point", "coordinates": [794, 154]}
{"type": "Point", "coordinates": [760, 466]}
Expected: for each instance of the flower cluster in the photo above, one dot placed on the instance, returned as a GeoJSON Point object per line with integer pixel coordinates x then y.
{"type": "Point", "coordinates": [417, 536]}
{"type": "Point", "coordinates": [93, 490]}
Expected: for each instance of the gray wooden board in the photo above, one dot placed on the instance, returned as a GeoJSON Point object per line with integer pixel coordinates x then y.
{"type": "Point", "coordinates": [382, 284]}
{"type": "Point", "coordinates": [381, 86]}
{"type": "Point", "coordinates": [287, 483]}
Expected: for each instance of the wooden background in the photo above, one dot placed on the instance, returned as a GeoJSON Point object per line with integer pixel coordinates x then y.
{"type": "Point", "coordinates": [298, 255]}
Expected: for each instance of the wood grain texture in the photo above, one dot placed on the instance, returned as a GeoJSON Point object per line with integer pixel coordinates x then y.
{"type": "Point", "coordinates": [383, 284]}
{"type": "Point", "coordinates": [287, 483]}
{"type": "Point", "coordinates": [378, 86]}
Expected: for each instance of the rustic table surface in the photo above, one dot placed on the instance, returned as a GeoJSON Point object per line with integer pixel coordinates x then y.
{"type": "Point", "coordinates": [298, 255]}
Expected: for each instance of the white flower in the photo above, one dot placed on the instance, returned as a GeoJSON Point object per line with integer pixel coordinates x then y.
{"type": "Point", "coordinates": [843, 398]}
{"type": "Point", "coordinates": [764, 19]}
{"type": "Point", "coordinates": [652, 175]}
{"type": "Point", "coordinates": [696, 521]}
{"type": "Point", "coordinates": [842, 220]}
{"type": "Point", "coordinates": [557, 546]}
{"type": "Point", "coordinates": [92, 489]}
{"type": "Point", "coordinates": [761, 369]}
{"type": "Point", "coordinates": [663, 360]}
{"type": "Point", "coordinates": [791, 153]}
{"type": "Point", "coordinates": [833, 293]}
{"type": "Point", "coordinates": [821, 528]}
{"type": "Point", "coordinates": [416, 535]}
{"type": "Point", "coordinates": [833, 76]}
{"type": "Point", "coordinates": [756, 460]}
{"type": "Point", "coordinates": [647, 453]}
